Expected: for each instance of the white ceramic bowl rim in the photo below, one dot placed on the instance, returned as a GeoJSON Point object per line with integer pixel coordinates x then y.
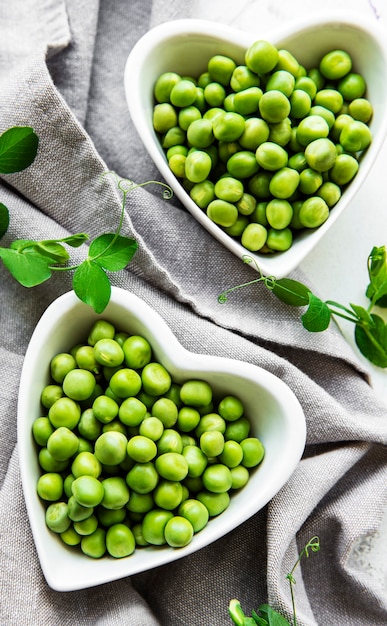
{"type": "Point", "coordinates": [139, 95]}
{"type": "Point", "coordinates": [282, 423]}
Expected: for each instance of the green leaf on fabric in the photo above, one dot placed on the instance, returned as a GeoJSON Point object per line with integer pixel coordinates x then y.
{"type": "Point", "coordinates": [53, 250]}
{"type": "Point", "coordinates": [318, 315]}
{"type": "Point", "coordinates": [372, 341]}
{"type": "Point", "coordinates": [75, 241]}
{"type": "Point", "coordinates": [112, 252]}
{"type": "Point", "coordinates": [18, 149]}
{"type": "Point", "coordinates": [92, 285]}
{"type": "Point", "coordinates": [291, 292]}
{"type": "Point", "coordinates": [28, 268]}
{"type": "Point", "coordinates": [4, 219]}
{"type": "Point", "coordinates": [272, 617]}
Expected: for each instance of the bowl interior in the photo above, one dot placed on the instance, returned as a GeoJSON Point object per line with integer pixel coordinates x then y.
{"type": "Point", "coordinates": [274, 411]}
{"type": "Point", "coordinates": [185, 46]}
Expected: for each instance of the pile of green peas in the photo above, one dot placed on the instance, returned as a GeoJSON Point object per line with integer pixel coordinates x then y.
{"type": "Point", "coordinates": [129, 457]}
{"type": "Point", "coordinates": [267, 147]}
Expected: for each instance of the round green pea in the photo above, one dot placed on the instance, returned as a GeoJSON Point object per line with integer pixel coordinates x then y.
{"type": "Point", "coordinates": [229, 188]}
{"type": "Point", "coordinates": [172, 466]}
{"type": "Point", "coordinates": [153, 526]}
{"type": "Point", "coordinates": [228, 126]}
{"type": "Point", "coordinates": [355, 136]}
{"type": "Point", "coordinates": [156, 380]}
{"type": "Point", "coordinates": [178, 532]}
{"type": "Point", "coordinates": [50, 394]}
{"type": "Point", "coordinates": [344, 169]}
{"type": "Point", "coordinates": [164, 118]}
{"type": "Point", "coordinates": [232, 454]}
{"type": "Point", "coordinates": [321, 154]}
{"type": "Point", "coordinates": [141, 449]}
{"type": "Point", "coordinates": [87, 491]}
{"type": "Point", "coordinates": [94, 545]}
{"type": "Point", "coordinates": [200, 134]}
{"type": "Point", "coordinates": [116, 493]}
{"type": "Point", "coordinates": [279, 239]}
{"type": "Point", "coordinates": [198, 165]}
{"type": "Point", "coordinates": [132, 411]}
{"type": "Point", "coordinates": [50, 486]}
{"type": "Point", "coordinates": [60, 365]}
{"type": "Point", "coordinates": [242, 164]}
{"type": "Point", "coordinates": [56, 517]}
{"type": "Point", "coordinates": [329, 98]}
{"type": "Point", "coordinates": [108, 352]}
{"type": "Point", "coordinates": [110, 448]}
{"type": "Point", "coordinates": [274, 106]}
{"type": "Point", "coordinates": [314, 212]}
{"type": "Point", "coordinates": [183, 93]}
{"type": "Point", "coordinates": [164, 84]}
{"type": "Point", "coordinates": [279, 213]}
{"type": "Point", "coordinates": [221, 68]}
{"type": "Point", "coordinates": [41, 430]}
{"type": "Point", "coordinates": [86, 463]}
{"type": "Point", "coordinates": [261, 57]}
{"type": "Point", "coordinates": [255, 132]}
{"type": "Point", "coordinates": [215, 503]}
{"type": "Point", "coordinates": [253, 451]}
{"type": "Point", "coordinates": [120, 541]}
{"type": "Point", "coordinates": [240, 476]}
{"type": "Point", "coordinates": [310, 128]}
{"type": "Point", "coordinates": [222, 213]}
{"type": "Point", "coordinates": [271, 156]}
{"type": "Point", "coordinates": [203, 193]}
{"type": "Point", "coordinates": [62, 444]}
{"type": "Point", "coordinates": [352, 86]}
{"type": "Point", "coordinates": [284, 183]}
{"type": "Point", "coordinates": [254, 237]}
{"type": "Point", "coordinates": [335, 64]}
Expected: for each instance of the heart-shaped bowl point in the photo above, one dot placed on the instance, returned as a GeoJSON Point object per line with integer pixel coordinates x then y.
{"type": "Point", "coordinates": [185, 47]}
{"type": "Point", "coordinates": [274, 412]}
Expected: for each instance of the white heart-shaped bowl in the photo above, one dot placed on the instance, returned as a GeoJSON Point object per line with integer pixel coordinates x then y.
{"type": "Point", "coordinates": [185, 46]}
{"type": "Point", "coordinates": [274, 411]}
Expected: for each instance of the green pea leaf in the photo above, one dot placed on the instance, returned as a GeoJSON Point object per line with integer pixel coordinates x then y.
{"type": "Point", "coordinates": [272, 617]}
{"type": "Point", "coordinates": [113, 252]}
{"type": "Point", "coordinates": [28, 268]}
{"type": "Point", "coordinates": [291, 292]}
{"type": "Point", "coordinates": [377, 271]}
{"type": "Point", "coordinates": [372, 341]}
{"type": "Point", "coordinates": [92, 285]}
{"type": "Point", "coordinates": [4, 219]}
{"type": "Point", "coordinates": [317, 317]}
{"type": "Point", "coordinates": [75, 240]}
{"type": "Point", "coordinates": [18, 149]}
{"type": "Point", "coordinates": [53, 250]}
{"type": "Point", "coordinates": [362, 314]}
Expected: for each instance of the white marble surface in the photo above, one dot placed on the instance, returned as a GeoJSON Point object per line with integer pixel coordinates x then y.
{"type": "Point", "coordinates": [338, 264]}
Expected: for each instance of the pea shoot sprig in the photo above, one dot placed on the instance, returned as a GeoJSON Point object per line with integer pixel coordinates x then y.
{"type": "Point", "coordinates": [33, 262]}
{"type": "Point", "coordinates": [370, 328]}
{"type": "Point", "coordinates": [265, 615]}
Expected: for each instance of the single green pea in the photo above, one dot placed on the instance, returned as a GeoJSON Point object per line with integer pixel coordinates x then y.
{"type": "Point", "coordinates": [204, 79]}
{"type": "Point", "coordinates": [101, 329]}
{"type": "Point", "coordinates": [305, 83]}
{"type": "Point", "coordinates": [188, 418]}
{"type": "Point", "coordinates": [328, 115]}
{"type": "Point", "coordinates": [330, 192]}
{"type": "Point", "coordinates": [254, 237]}
{"type": "Point", "coordinates": [230, 408]}
{"type": "Point", "coordinates": [355, 136]}
{"type": "Point", "coordinates": [116, 493]}
{"type": "Point", "coordinates": [177, 165]}
{"type": "Point", "coordinates": [70, 537]}
{"type": "Point", "coordinates": [108, 352]}
{"type": "Point", "coordinates": [344, 169]}
{"type": "Point", "coordinates": [198, 165]}
{"type": "Point", "coordinates": [50, 394]}
{"type": "Point", "coordinates": [270, 156]}
{"type": "Point", "coordinates": [125, 382]}
{"type": "Point", "coordinates": [171, 466]}
{"type": "Point", "coordinates": [120, 541]}
{"type": "Point", "coordinates": [86, 463]}
{"type": "Point", "coordinates": [174, 136]}
{"type": "Point", "coordinates": [298, 161]}
{"type": "Point", "coordinates": [228, 102]}
{"type": "Point", "coordinates": [156, 379]}
{"type": "Point", "coordinates": [287, 61]}
{"type": "Point", "coordinates": [62, 444]}
{"type": "Point", "coordinates": [300, 103]}
{"type": "Point", "coordinates": [259, 215]}
{"type": "Point", "coordinates": [253, 451]}
{"type": "Point", "coordinates": [196, 459]}
{"type": "Point", "coordinates": [321, 154]}
{"type": "Point", "coordinates": [132, 411]}
{"type": "Point", "coordinates": [68, 481]}
{"type": "Point", "coordinates": [215, 503]}
{"type": "Point", "coordinates": [221, 68]}
{"type": "Point", "coordinates": [211, 443]}
{"type": "Point", "coordinates": [60, 365]}
{"type": "Point", "coordinates": [232, 454]}
{"type": "Point", "coordinates": [310, 128]}
{"type": "Point", "coordinates": [210, 422]}
{"type": "Point", "coordinates": [258, 185]}
{"type": "Point", "coordinates": [141, 449]}
{"type": "Point", "coordinates": [203, 193]}
{"type": "Point", "coordinates": [274, 106]}
{"type": "Point", "coordinates": [226, 149]}
{"type": "Point", "coordinates": [151, 427]}
{"type": "Point", "coordinates": [94, 545]}
{"type": "Point", "coordinates": [168, 494]}
{"type": "Point", "coordinates": [329, 98]}
{"type": "Point", "coordinates": [222, 213]}
{"type": "Point", "coordinates": [142, 478]}
{"type": "Point", "coordinates": [284, 183]}
{"type": "Point", "coordinates": [183, 93]}
{"type": "Point", "coordinates": [195, 512]}
{"type": "Point", "coordinates": [229, 188]}
{"type": "Point", "coordinates": [200, 133]}
{"type": "Point", "coordinates": [178, 532]}
{"type": "Point", "coordinates": [310, 181]}
{"type": "Point", "coordinates": [85, 359]}
{"type": "Point", "coordinates": [87, 526]}
{"type": "Point", "coordinates": [246, 101]}
{"type": "Point", "coordinates": [187, 115]}
{"type": "Point", "coordinates": [352, 86]}
{"type": "Point", "coordinates": [170, 441]}
{"type": "Point", "coordinates": [341, 121]}
{"type": "Point", "coordinates": [243, 78]}
{"type": "Point", "coordinates": [238, 227]}
{"type": "Point", "coordinates": [164, 118]}
{"type": "Point", "coordinates": [49, 464]}
{"type": "Point", "coordinates": [314, 212]}
{"type": "Point", "coordinates": [242, 164]}
{"type": "Point", "coordinates": [361, 109]}
{"type": "Point", "coordinates": [77, 512]}
{"type": "Point", "coordinates": [50, 486]}
{"type": "Point", "coordinates": [105, 409]}
{"type": "Point", "coordinates": [41, 430]}
{"type": "Point", "coordinates": [87, 491]}
{"type": "Point", "coordinates": [279, 240]}
{"type": "Point", "coordinates": [79, 384]}
{"type": "Point", "coordinates": [56, 517]}
{"type": "Point", "coordinates": [214, 94]}
{"type": "Point", "coordinates": [281, 132]}
{"type": "Point", "coordinates": [140, 502]}
{"type": "Point", "coordinates": [247, 204]}
{"type": "Point", "coordinates": [229, 126]}
{"type": "Point", "coordinates": [315, 75]}
{"type": "Point", "coordinates": [335, 64]}
{"type": "Point", "coordinates": [255, 132]}
{"type": "Point", "coordinates": [281, 80]}
{"type": "Point", "coordinates": [172, 151]}
{"type": "Point", "coordinates": [164, 84]}
{"type": "Point", "coordinates": [279, 213]}
{"type": "Point", "coordinates": [217, 478]}
{"type": "Point", "coordinates": [240, 476]}
{"type": "Point", "coordinates": [110, 448]}
{"type": "Point", "coordinates": [166, 411]}
{"type": "Point", "coordinates": [261, 57]}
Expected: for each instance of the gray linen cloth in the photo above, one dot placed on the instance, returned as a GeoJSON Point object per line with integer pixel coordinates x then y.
{"type": "Point", "coordinates": [61, 71]}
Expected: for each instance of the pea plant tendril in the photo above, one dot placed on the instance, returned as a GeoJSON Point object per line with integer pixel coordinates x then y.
{"type": "Point", "coordinates": [370, 328]}
{"type": "Point", "coordinates": [265, 615]}
{"type": "Point", "coordinates": [33, 262]}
